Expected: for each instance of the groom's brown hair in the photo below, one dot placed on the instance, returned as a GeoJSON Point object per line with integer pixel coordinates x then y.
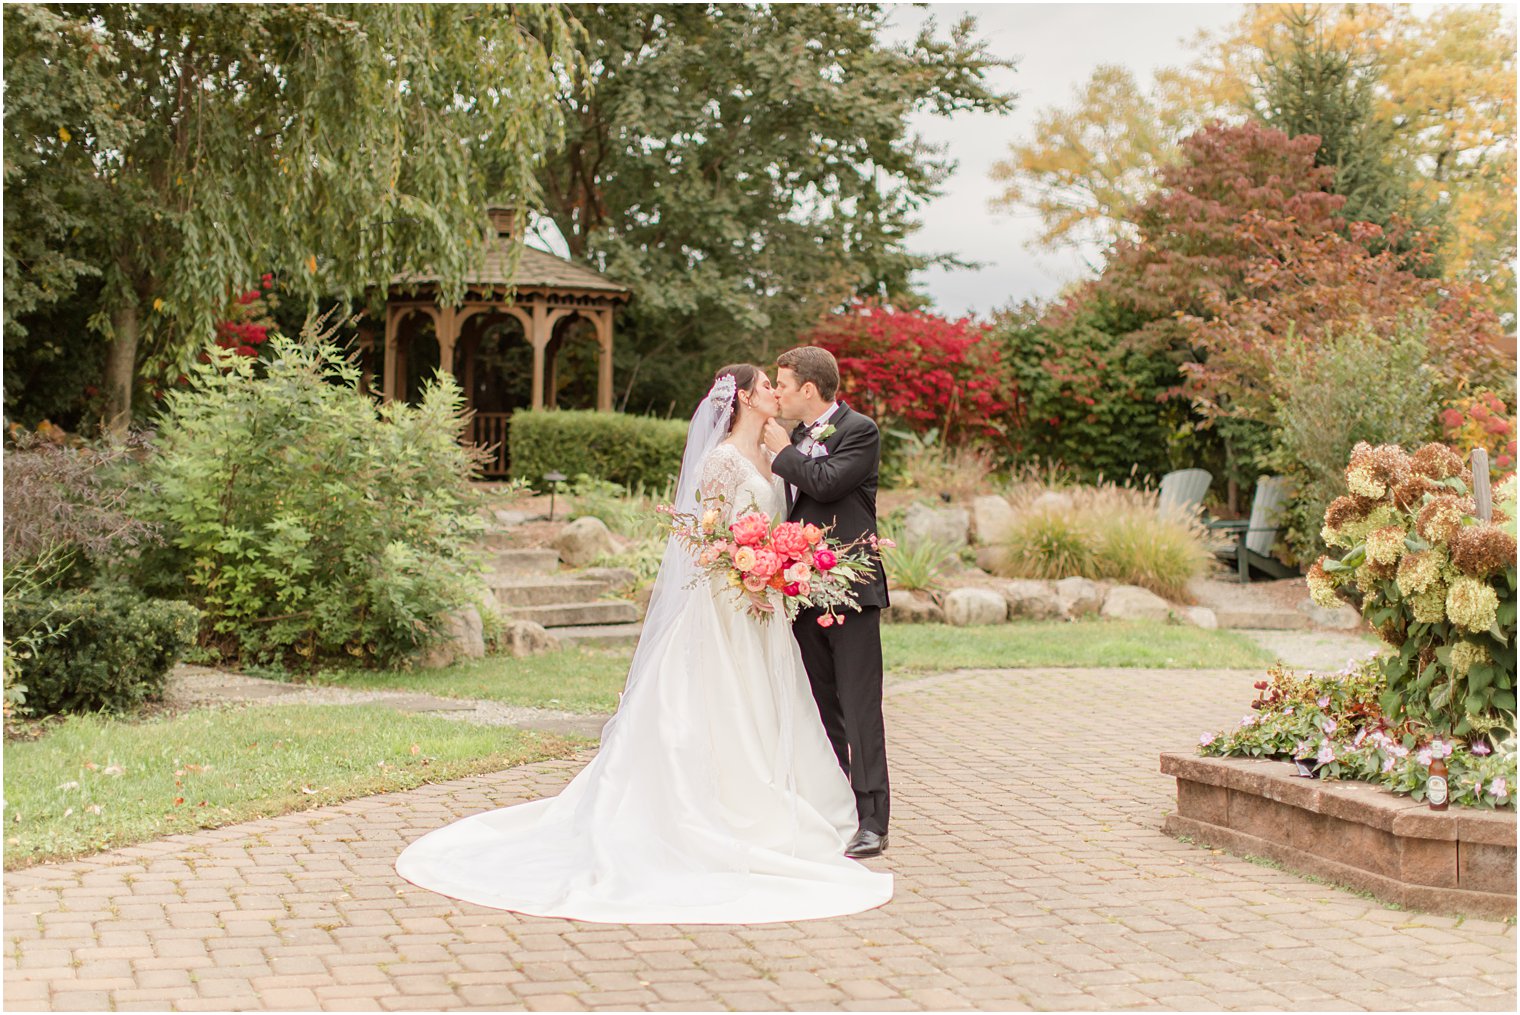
{"type": "Point", "coordinates": [811, 363]}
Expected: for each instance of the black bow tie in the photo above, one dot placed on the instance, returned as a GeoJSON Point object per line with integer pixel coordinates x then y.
{"type": "Point", "coordinates": [798, 432]}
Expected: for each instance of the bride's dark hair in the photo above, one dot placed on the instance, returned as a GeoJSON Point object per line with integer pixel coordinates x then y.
{"type": "Point", "coordinates": [745, 376]}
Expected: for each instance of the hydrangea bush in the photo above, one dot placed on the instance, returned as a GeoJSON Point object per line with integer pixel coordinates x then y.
{"type": "Point", "coordinates": [1436, 582]}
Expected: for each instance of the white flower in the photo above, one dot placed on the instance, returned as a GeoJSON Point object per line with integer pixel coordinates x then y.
{"type": "Point", "coordinates": [1206, 740]}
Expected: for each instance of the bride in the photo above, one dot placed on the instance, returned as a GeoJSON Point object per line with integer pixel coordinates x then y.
{"type": "Point", "coordinates": [715, 796]}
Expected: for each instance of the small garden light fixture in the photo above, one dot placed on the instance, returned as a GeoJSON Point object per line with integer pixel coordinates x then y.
{"type": "Point", "coordinates": [554, 479]}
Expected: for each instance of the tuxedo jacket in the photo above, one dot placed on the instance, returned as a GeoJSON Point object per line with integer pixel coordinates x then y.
{"type": "Point", "coordinates": [838, 489]}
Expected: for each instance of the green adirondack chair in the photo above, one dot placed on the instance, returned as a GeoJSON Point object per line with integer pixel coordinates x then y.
{"type": "Point", "coordinates": [1251, 549]}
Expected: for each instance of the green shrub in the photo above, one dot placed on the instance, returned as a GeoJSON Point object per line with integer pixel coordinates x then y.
{"type": "Point", "coordinates": [105, 650]}
{"type": "Point", "coordinates": [628, 450]}
{"type": "Point", "coordinates": [308, 522]}
{"type": "Point", "coordinates": [1354, 387]}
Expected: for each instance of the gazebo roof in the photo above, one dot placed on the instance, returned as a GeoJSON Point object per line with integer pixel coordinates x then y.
{"type": "Point", "coordinates": [535, 269]}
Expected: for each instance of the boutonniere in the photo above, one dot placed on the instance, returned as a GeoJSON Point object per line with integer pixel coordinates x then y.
{"type": "Point", "coordinates": [823, 433]}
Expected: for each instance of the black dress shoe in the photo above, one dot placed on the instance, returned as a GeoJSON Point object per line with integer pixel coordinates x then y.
{"type": "Point", "coordinates": [866, 843]}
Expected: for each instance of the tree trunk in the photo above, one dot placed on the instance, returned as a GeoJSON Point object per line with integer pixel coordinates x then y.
{"type": "Point", "coordinates": [121, 368]}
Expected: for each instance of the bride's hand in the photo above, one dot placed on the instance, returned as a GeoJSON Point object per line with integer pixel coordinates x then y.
{"type": "Point", "coordinates": [775, 436]}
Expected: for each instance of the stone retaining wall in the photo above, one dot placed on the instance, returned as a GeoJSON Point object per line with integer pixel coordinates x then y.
{"type": "Point", "coordinates": [1460, 861]}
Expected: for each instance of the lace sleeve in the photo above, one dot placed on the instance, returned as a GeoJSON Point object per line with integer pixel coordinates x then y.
{"type": "Point", "coordinates": [722, 474]}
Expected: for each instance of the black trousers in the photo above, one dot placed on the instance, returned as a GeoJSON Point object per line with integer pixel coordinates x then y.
{"type": "Point", "coordinates": [844, 667]}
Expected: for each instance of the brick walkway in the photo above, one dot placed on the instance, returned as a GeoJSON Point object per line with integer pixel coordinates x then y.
{"type": "Point", "coordinates": [1030, 874]}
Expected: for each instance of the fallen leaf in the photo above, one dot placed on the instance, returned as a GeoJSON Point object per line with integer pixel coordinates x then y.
{"type": "Point", "coordinates": [66, 786]}
{"type": "Point", "coordinates": [178, 800]}
{"type": "Point", "coordinates": [113, 770]}
{"type": "Point", "coordinates": [67, 811]}
{"type": "Point", "coordinates": [308, 791]}
{"type": "Point", "coordinates": [94, 808]}
{"type": "Point", "coordinates": [416, 748]}
{"type": "Point", "coordinates": [91, 765]}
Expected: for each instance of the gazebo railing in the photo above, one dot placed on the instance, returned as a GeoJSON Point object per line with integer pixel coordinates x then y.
{"type": "Point", "coordinates": [489, 430]}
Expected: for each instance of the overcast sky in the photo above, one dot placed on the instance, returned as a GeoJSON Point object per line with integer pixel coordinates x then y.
{"type": "Point", "coordinates": [1056, 47]}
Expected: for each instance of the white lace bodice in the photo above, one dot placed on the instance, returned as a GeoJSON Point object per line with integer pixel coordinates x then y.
{"type": "Point", "coordinates": [727, 473]}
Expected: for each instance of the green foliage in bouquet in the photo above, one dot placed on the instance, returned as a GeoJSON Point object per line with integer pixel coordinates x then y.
{"type": "Point", "coordinates": [1437, 582]}
{"type": "Point", "coordinates": [306, 521]}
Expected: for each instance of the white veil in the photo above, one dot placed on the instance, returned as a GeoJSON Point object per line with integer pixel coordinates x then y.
{"type": "Point", "coordinates": [672, 585]}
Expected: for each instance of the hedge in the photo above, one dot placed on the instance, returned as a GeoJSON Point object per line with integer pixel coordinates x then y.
{"type": "Point", "coordinates": [109, 650]}
{"type": "Point", "coordinates": [604, 445]}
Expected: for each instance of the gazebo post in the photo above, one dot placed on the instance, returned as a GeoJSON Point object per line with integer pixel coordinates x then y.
{"type": "Point", "coordinates": [604, 361]}
{"type": "Point", "coordinates": [448, 336]}
{"type": "Point", "coordinates": [538, 337]}
{"type": "Point", "coordinates": [388, 378]}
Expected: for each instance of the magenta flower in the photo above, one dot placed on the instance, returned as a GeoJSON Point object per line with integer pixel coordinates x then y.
{"type": "Point", "coordinates": [1329, 726]}
{"type": "Point", "coordinates": [1326, 753]}
{"type": "Point", "coordinates": [1324, 701]}
{"type": "Point", "coordinates": [1480, 748]}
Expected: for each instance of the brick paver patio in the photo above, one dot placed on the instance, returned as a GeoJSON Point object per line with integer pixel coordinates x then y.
{"type": "Point", "coordinates": [1031, 873]}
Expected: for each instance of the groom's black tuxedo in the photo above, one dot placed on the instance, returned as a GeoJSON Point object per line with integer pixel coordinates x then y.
{"type": "Point", "coordinates": [844, 662]}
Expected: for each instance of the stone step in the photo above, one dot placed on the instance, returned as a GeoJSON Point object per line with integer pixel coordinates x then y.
{"type": "Point", "coordinates": [513, 591]}
{"type": "Point", "coordinates": [600, 635]}
{"type": "Point", "coordinates": [507, 563]}
{"type": "Point", "coordinates": [611, 611]}
{"type": "Point", "coordinates": [1262, 620]}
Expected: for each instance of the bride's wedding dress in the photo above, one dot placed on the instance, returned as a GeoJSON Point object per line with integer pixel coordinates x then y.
{"type": "Point", "coordinates": [715, 796]}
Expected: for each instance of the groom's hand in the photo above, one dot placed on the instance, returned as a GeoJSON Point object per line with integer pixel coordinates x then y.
{"type": "Point", "coordinates": [775, 436]}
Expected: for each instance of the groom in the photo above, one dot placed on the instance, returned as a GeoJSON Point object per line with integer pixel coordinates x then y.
{"type": "Point", "coordinates": [830, 463]}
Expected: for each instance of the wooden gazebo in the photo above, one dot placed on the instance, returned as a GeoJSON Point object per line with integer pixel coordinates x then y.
{"type": "Point", "coordinates": [504, 341]}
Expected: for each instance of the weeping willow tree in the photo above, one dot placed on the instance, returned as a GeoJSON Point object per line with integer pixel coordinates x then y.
{"type": "Point", "coordinates": [157, 155]}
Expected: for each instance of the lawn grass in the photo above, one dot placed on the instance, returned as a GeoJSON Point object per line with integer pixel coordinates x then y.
{"type": "Point", "coordinates": [581, 680]}
{"type": "Point", "coordinates": [572, 680]}
{"type": "Point", "coordinates": [215, 767]}
{"type": "Point", "coordinates": [934, 648]}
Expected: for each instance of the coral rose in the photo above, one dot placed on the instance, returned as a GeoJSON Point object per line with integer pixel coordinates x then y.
{"type": "Point", "coordinates": [812, 534]}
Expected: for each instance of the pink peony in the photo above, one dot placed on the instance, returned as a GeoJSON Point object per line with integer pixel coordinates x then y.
{"type": "Point", "coordinates": [812, 534]}
{"type": "Point", "coordinates": [789, 540]}
{"type": "Point", "coordinates": [827, 620]}
{"type": "Point", "coordinates": [744, 558]}
{"type": "Point", "coordinates": [767, 563]}
{"type": "Point", "coordinates": [750, 529]}
{"type": "Point", "coordinates": [824, 560]}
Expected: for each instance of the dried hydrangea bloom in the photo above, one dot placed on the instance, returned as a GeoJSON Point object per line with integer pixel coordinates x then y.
{"type": "Point", "coordinates": [1361, 477]}
{"type": "Point", "coordinates": [1356, 531]}
{"type": "Point", "coordinates": [1481, 550]}
{"type": "Point", "coordinates": [1439, 520]}
{"type": "Point", "coordinates": [1429, 607]}
{"type": "Point", "coordinates": [1437, 461]}
{"type": "Point", "coordinates": [1410, 494]}
{"type": "Point", "coordinates": [1472, 605]}
{"type": "Point", "coordinates": [1465, 655]}
{"type": "Point", "coordinates": [1322, 586]}
{"type": "Point", "coordinates": [1365, 581]}
{"type": "Point", "coordinates": [1418, 570]}
{"type": "Point", "coordinates": [1385, 545]}
{"type": "Point", "coordinates": [1392, 635]}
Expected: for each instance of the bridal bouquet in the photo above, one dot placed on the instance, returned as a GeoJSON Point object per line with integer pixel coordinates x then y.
{"type": "Point", "coordinates": [810, 570]}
